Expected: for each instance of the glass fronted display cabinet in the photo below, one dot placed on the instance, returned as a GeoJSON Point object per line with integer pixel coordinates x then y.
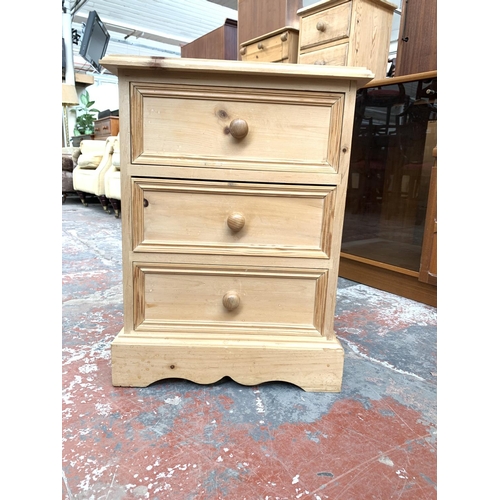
{"type": "Point", "coordinates": [392, 180]}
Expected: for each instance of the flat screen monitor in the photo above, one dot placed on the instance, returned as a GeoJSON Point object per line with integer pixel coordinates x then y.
{"type": "Point", "coordinates": [95, 41]}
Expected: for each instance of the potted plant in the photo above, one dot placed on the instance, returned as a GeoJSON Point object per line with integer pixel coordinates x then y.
{"type": "Point", "coordinates": [84, 125]}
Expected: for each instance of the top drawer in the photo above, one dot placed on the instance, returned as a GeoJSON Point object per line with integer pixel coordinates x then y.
{"type": "Point", "coordinates": [235, 128]}
{"type": "Point", "coordinates": [326, 26]}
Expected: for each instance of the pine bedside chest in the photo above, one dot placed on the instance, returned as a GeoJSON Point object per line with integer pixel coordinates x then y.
{"type": "Point", "coordinates": [234, 179]}
{"type": "Point", "coordinates": [347, 33]}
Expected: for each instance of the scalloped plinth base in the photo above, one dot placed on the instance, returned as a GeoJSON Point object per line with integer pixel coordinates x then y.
{"type": "Point", "coordinates": [315, 364]}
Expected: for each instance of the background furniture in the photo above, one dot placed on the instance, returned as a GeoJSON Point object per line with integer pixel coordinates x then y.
{"type": "Point", "coordinates": [93, 163]}
{"type": "Point", "coordinates": [106, 127]}
{"type": "Point", "coordinates": [220, 43]}
{"type": "Point", "coordinates": [259, 17]}
{"type": "Point", "coordinates": [279, 46]}
{"type": "Point", "coordinates": [417, 46]}
{"type": "Point", "coordinates": [232, 219]}
{"type": "Point", "coordinates": [69, 158]}
{"type": "Point", "coordinates": [428, 267]}
{"type": "Point", "coordinates": [69, 99]}
{"type": "Point", "coordinates": [112, 180]}
{"type": "Point", "coordinates": [353, 33]}
{"type": "Point", "coordinates": [389, 206]}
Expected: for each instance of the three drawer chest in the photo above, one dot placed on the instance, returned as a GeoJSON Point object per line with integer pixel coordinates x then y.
{"type": "Point", "coordinates": [233, 180]}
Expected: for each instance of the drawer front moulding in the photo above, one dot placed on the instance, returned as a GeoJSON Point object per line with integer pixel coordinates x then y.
{"type": "Point", "coordinates": [182, 298]}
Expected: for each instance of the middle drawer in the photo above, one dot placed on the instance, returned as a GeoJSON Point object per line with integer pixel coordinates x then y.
{"type": "Point", "coordinates": [171, 215]}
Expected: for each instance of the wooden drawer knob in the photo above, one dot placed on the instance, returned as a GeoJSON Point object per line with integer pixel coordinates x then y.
{"type": "Point", "coordinates": [321, 26]}
{"type": "Point", "coordinates": [236, 221]}
{"type": "Point", "coordinates": [238, 128]}
{"type": "Point", "coordinates": [231, 300]}
{"type": "Point", "coordinates": [243, 51]}
{"type": "Point", "coordinates": [284, 37]}
{"type": "Point", "coordinates": [260, 45]}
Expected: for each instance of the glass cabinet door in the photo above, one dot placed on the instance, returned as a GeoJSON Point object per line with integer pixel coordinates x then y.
{"type": "Point", "coordinates": [395, 131]}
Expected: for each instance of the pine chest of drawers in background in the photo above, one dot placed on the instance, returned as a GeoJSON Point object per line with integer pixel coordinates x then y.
{"type": "Point", "coordinates": [346, 33]}
{"type": "Point", "coordinates": [280, 46]}
{"type": "Point", "coordinates": [233, 190]}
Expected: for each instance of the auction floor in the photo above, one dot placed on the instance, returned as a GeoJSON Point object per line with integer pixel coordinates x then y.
{"type": "Point", "coordinates": [376, 439]}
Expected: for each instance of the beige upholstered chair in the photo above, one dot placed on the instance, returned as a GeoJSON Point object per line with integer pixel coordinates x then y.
{"type": "Point", "coordinates": [93, 163]}
{"type": "Point", "coordinates": [112, 186]}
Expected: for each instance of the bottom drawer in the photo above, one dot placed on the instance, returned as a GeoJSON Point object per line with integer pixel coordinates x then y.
{"type": "Point", "coordinates": [335, 55]}
{"type": "Point", "coordinates": [181, 298]}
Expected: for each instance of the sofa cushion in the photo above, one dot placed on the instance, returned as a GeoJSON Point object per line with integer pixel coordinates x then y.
{"type": "Point", "coordinates": [91, 153]}
{"type": "Point", "coordinates": [89, 160]}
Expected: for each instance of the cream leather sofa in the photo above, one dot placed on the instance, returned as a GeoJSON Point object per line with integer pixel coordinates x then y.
{"type": "Point", "coordinates": [112, 180]}
{"type": "Point", "coordinates": [93, 163]}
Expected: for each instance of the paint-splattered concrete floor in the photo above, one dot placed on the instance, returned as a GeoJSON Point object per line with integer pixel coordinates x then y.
{"type": "Point", "coordinates": [179, 440]}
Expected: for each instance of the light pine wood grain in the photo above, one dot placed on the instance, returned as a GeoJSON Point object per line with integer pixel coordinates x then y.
{"type": "Point", "coordinates": [361, 28]}
{"type": "Point", "coordinates": [278, 46]}
{"type": "Point", "coordinates": [282, 301]}
{"type": "Point", "coordinates": [231, 245]}
{"type": "Point", "coordinates": [285, 130]}
{"type": "Point", "coordinates": [126, 64]}
{"type": "Point", "coordinates": [335, 55]}
{"type": "Point", "coordinates": [315, 365]}
{"type": "Point", "coordinates": [325, 26]}
{"type": "Point", "coordinates": [278, 219]}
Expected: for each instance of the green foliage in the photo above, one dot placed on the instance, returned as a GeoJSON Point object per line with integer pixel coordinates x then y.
{"type": "Point", "coordinates": [86, 115]}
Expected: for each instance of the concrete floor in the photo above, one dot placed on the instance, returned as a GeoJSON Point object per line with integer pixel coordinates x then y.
{"type": "Point", "coordinates": [178, 440]}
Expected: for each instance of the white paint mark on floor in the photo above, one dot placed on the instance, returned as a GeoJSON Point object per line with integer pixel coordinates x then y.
{"type": "Point", "coordinates": [103, 409]}
{"type": "Point", "coordinates": [402, 473]}
{"type": "Point", "coordinates": [355, 349]}
{"type": "Point", "coordinates": [392, 310]}
{"type": "Point", "coordinates": [173, 401]}
{"type": "Point", "coordinates": [386, 461]}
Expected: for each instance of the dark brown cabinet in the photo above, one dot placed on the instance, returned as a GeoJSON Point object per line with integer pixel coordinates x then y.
{"type": "Point", "coordinates": [417, 45]}
{"type": "Point", "coordinates": [220, 43]}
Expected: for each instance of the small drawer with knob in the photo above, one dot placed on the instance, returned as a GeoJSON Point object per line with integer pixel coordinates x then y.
{"type": "Point", "coordinates": [336, 55]}
{"type": "Point", "coordinates": [237, 300]}
{"type": "Point", "coordinates": [325, 26]}
{"type": "Point", "coordinates": [280, 46]}
{"type": "Point", "coordinates": [266, 129]}
{"type": "Point", "coordinates": [228, 218]}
